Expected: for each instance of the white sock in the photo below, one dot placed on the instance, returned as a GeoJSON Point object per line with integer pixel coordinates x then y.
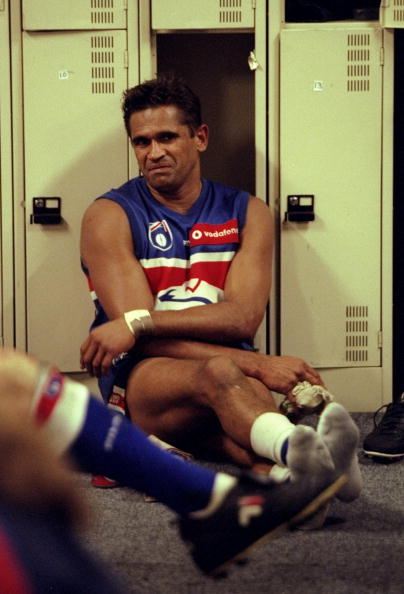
{"type": "Point", "coordinates": [223, 483]}
{"type": "Point", "coordinates": [268, 434]}
{"type": "Point", "coordinates": [279, 474]}
{"type": "Point", "coordinates": [341, 436]}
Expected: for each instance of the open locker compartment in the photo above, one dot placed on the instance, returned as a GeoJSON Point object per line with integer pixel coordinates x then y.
{"type": "Point", "coordinates": [216, 67]}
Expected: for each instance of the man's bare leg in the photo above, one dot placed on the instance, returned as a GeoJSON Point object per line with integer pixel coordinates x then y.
{"type": "Point", "coordinates": [174, 399]}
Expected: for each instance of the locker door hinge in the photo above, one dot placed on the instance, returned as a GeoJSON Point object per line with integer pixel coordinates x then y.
{"type": "Point", "coordinates": [382, 56]}
{"type": "Point", "coordinates": [380, 339]}
{"type": "Point", "coordinates": [126, 59]}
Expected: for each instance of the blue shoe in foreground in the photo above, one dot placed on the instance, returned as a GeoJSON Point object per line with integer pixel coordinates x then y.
{"type": "Point", "coordinates": [255, 510]}
{"type": "Point", "coordinates": [387, 438]}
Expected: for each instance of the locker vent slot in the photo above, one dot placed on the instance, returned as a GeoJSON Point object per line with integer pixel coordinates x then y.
{"type": "Point", "coordinates": [102, 64]}
{"type": "Point", "coordinates": [356, 339]}
{"type": "Point", "coordinates": [102, 12]}
{"type": "Point", "coordinates": [398, 13]}
{"type": "Point", "coordinates": [228, 12]}
{"type": "Point", "coordinates": [358, 68]}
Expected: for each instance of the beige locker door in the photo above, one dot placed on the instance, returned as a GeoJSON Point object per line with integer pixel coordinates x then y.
{"type": "Point", "coordinates": [45, 15]}
{"type": "Point", "coordinates": [331, 102]}
{"type": "Point", "coordinates": [6, 186]}
{"type": "Point", "coordinates": [392, 14]}
{"type": "Point", "coordinates": [75, 149]}
{"type": "Point", "coordinates": [202, 14]}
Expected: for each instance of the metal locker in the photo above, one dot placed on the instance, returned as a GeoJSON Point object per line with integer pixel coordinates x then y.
{"type": "Point", "coordinates": [202, 14]}
{"type": "Point", "coordinates": [392, 14]}
{"type": "Point", "coordinates": [5, 149]}
{"type": "Point", "coordinates": [45, 15]}
{"type": "Point", "coordinates": [330, 156]}
{"type": "Point", "coordinates": [75, 148]}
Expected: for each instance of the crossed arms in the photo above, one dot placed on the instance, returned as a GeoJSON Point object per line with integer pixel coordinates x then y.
{"type": "Point", "coordinates": [119, 281]}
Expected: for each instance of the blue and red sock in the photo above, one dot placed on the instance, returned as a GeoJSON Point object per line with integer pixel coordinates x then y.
{"type": "Point", "coordinates": [105, 442]}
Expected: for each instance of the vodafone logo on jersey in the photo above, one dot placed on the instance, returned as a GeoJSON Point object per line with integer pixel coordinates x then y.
{"type": "Point", "coordinates": [205, 233]}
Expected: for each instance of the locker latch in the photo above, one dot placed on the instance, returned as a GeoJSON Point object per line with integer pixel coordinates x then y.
{"type": "Point", "coordinates": [46, 211]}
{"type": "Point", "coordinates": [300, 208]}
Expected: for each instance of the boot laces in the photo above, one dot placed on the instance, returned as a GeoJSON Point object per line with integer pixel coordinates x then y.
{"type": "Point", "coordinates": [393, 417]}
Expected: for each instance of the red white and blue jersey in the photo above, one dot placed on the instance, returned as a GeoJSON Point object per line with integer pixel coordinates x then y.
{"type": "Point", "coordinates": [185, 257]}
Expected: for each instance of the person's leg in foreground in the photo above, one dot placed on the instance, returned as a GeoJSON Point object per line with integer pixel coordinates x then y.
{"type": "Point", "coordinates": [221, 516]}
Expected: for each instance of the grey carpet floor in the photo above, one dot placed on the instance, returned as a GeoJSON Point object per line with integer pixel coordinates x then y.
{"type": "Point", "coordinates": [359, 550]}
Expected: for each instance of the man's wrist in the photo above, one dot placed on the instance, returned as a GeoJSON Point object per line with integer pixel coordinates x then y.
{"type": "Point", "coordinates": [256, 362]}
{"type": "Point", "coordinates": [139, 322]}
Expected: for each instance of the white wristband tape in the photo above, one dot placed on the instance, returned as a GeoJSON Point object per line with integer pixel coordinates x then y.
{"type": "Point", "coordinates": [139, 321]}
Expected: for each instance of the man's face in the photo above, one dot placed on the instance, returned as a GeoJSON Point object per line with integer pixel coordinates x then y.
{"type": "Point", "coordinates": [167, 154]}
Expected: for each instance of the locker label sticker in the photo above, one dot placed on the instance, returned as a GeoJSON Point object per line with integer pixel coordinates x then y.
{"type": "Point", "coordinates": [318, 85]}
{"type": "Point", "coordinates": [63, 74]}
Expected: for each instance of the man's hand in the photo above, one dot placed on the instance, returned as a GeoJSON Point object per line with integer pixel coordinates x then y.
{"type": "Point", "coordinates": [103, 344]}
{"type": "Point", "coordinates": [282, 373]}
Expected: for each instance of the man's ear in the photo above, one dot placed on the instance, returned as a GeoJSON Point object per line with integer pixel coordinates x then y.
{"type": "Point", "coordinates": [202, 137]}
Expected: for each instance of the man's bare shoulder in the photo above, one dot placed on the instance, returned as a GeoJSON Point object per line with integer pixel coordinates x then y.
{"type": "Point", "coordinates": [258, 211]}
{"type": "Point", "coordinates": [103, 209]}
{"type": "Point", "coordinates": [104, 228]}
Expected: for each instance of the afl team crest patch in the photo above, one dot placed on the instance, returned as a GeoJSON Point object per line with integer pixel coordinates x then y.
{"type": "Point", "coordinates": [160, 235]}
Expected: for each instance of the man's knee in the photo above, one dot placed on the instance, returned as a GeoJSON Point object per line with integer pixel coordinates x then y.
{"type": "Point", "coordinates": [220, 373]}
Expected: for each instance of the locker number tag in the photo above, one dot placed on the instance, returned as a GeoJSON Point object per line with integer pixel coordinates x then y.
{"type": "Point", "coordinates": [63, 74]}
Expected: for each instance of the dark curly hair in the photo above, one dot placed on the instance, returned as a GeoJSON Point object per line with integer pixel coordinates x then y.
{"type": "Point", "coordinates": [166, 89]}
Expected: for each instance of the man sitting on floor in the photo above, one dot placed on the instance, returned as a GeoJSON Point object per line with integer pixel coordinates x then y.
{"type": "Point", "coordinates": [180, 269]}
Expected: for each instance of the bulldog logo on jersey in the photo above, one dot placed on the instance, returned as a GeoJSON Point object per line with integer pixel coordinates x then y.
{"type": "Point", "coordinates": [160, 235]}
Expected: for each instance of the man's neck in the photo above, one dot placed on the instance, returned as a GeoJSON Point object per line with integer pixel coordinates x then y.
{"type": "Point", "coordinates": [180, 199]}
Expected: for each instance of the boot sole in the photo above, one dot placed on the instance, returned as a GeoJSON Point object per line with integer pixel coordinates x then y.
{"type": "Point", "coordinates": [307, 512]}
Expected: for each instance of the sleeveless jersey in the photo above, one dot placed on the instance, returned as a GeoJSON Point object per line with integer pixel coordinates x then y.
{"type": "Point", "coordinates": [185, 257]}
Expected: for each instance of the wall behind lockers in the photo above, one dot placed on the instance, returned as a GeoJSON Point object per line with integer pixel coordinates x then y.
{"type": "Point", "coordinates": [215, 66]}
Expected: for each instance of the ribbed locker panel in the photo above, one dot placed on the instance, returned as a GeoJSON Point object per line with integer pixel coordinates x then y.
{"type": "Point", "coordinates": [53, 15]}
{"type": "Point", "coordinates": [392, 14]}
{"type": "Point", "coordinates": [202, 14]}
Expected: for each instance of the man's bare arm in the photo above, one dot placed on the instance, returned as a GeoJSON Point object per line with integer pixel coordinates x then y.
{"type": "Point", "coordinates": [246, 290]}
{"type": "Point", "coordinates": [121, 285]}
{"type": "Point", "coordinates": [107, 251]}
{"type": "Point", "coordinates": [114, 267]}
{"type": "Point", "coordinates": [278, 373]}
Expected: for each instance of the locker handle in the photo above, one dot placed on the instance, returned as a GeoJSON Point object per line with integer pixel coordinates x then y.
{"type": "Point", "coordinates": [300, 208]}
{"type": "Point", "coordinates": [46, 211]}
